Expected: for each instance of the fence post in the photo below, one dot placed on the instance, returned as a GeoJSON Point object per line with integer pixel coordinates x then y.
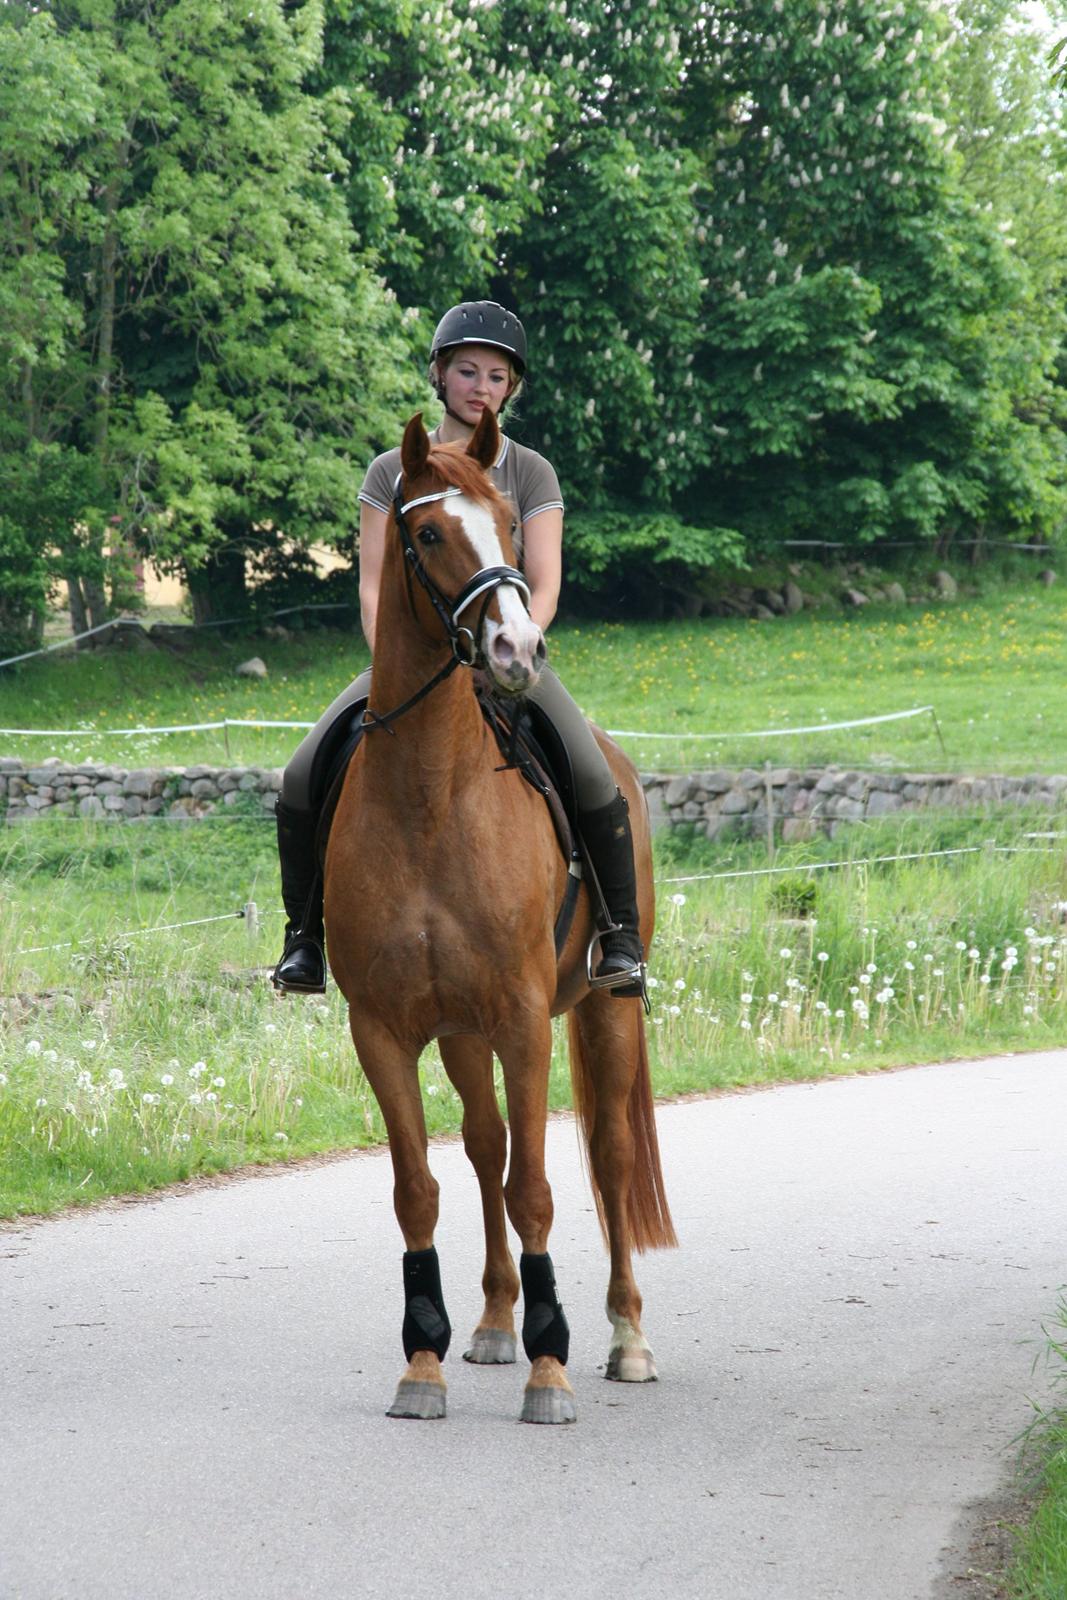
{"type": "Point", "coordinates": [769, 801]}
{"type": "Point", "coordinates": [251, 916]}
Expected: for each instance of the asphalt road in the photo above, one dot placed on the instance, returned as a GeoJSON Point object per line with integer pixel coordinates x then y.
{"type": "Point", "coordinates": [192, 1389]}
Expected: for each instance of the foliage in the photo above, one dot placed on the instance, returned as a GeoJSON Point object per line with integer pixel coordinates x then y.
{"type": "Point", "coordinates": [616, 558]}
{"type": "Point", "coordinates": [854, 371]}
{"type": "Point", "coordinates": [764, 292]}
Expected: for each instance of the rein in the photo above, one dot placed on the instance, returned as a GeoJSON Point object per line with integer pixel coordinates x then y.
{"type": "Point", "coordinates": [466, 643]}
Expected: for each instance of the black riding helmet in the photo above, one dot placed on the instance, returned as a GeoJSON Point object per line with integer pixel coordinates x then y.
{"type": "Point", "coordinates": [481, 322]}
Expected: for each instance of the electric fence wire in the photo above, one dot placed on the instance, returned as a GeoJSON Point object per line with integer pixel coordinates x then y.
{"type": "Point", "coordinates": [990, 847]}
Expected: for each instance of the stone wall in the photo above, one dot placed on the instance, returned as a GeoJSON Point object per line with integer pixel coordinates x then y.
{"type": "Point", "coordinates": [801, 801]}
{"type": "Point", "coordinates": [806, 801]}
{"type": "Point", "coordinates": [56, 788]}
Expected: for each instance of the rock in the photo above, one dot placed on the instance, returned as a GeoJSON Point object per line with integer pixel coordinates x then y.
{"type": "Point", "coordinates": [733, 804]}
{"type": "Point", "coordinates": [946, 585]}
{"type": "Point", "coordinates": [792, 598]}
{"type": "Point", "coordinates": [855, 597]}
{"type": "Point", "coordinates": [880, 802]}
{"type": "Point", "coordinates": [715, 782]}
{"type": "Point", "coordinates": [894, 593]}
{"type": "Point", "coordinates": [772, 600]}
{"type": "Point", "coordinates": [1047, 577]}
{"type": "Point", "coordinates": [678, 791]}
{"type": "Point", "coordinates": [254, 667]}
{"type": "Point", "coordinates": [749, 778]}
{"type": "Point", "coordinates": [204, 788]}
{"type": "Point", "coordinates": [91, 807]}
{"type": "Point", "coordinates": [144, 783]}
{"type": "Point", "coordinates": [761, 614]}
{"type": "Point", "coordinates": [274, 630]}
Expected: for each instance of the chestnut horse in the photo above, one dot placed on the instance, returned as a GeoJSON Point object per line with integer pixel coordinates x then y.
{"type": "Point", "coordinates": [443, 878]}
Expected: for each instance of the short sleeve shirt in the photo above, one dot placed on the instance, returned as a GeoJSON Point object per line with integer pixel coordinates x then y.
{"type": "Point", "coordinates": [523, 477]}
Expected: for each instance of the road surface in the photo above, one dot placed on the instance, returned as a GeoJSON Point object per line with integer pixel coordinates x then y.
{"type": "Point", "coordinates": [192, 1389]}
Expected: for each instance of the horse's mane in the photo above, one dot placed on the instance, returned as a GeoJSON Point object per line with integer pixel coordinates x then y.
{"type": "Point", "coordinates": [460, 471]}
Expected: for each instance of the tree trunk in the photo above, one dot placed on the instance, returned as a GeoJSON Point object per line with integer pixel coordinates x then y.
{"type": "Point", "coordinates": [217, 586]}
{"type": "Point", "coordinates": [79, 616]}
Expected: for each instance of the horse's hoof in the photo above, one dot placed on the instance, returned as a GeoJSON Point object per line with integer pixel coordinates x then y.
{"type": "Point", "coordinates": [631, 1366]}
{"type": "Point", "coordinates": [491, 1347]}
{"type": "Point", "coordinates": [549, 1405]}
{"type": "Point", "coordinates": [424, 1401]}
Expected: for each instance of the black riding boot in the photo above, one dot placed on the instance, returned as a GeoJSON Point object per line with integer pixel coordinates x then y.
{"type": "Point", "coordinates": [606, 835]}
{"type": "Point", "coordinates": [302, 968]}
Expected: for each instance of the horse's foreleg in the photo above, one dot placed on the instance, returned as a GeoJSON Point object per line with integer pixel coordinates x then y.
{"type": "Point", "coordinates": [525, 1058]}
{"type": "Point", "coordinates": [608, 1039]}
{"type": "Point", "coordinates": [393, 1074]}
{"type": "Point", "coordinates": [468, 1061]}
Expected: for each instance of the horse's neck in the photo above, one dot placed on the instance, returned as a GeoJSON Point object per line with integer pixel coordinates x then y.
{"type": "Point", "coordinates": [428, 754]}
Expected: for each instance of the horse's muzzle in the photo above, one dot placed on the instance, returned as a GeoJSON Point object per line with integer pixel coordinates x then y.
{"type": "Point", "coordinates": [515, 655]}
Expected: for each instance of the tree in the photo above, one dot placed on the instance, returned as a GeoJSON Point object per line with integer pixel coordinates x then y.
{"type": "Point", "coordinates": [53, 114]}
{"type": "Point", "coordinates": [850, 372]}
{"type": "Point", "coordinates": [220, 356]}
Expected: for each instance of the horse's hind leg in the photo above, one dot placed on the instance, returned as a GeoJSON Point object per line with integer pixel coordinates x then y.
{"type": "Point", "coordinates": [468, 1061]}
{"type": "Point", "coordinates": [607, 1056]}
{"type": "Point", "coordinates": [393, 1074]}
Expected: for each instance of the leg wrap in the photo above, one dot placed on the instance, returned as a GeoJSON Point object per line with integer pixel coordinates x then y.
{"type": "Point", "coordinates": [544, 1327]}
{"type": "Point", "coordinates": [426, 1324]}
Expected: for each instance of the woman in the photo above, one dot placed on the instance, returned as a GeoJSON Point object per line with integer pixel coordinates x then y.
{"type": "Point", "coordinates": [477, 360]}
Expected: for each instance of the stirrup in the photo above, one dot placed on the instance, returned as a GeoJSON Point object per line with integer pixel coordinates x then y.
{"type": "Point", "coordinates": [627, 983]}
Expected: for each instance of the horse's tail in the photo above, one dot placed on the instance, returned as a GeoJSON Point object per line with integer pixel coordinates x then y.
{"type": "Point", "coordinates": [651, 1227]}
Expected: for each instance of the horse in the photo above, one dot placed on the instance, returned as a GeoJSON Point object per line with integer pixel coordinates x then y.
{"type": "Point", "coordinates": [442, 880]}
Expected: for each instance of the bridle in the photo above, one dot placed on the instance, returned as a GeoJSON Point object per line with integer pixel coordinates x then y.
{"type": "Point", "coordinates": [466, 643]}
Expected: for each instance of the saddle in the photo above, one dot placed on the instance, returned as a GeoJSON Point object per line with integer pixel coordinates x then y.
{"type": "Point", "coordinates": [528, 742]}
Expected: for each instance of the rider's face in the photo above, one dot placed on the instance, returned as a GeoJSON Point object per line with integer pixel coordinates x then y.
{"type": "Point", "coordinates": [476, 379]}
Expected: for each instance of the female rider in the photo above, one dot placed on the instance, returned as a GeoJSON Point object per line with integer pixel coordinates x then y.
{"type": "Point", "coordinates": [477, 360]}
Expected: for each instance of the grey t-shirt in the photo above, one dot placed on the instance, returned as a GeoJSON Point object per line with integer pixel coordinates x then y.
{"type": "Point", "coordinates": [522, 476]}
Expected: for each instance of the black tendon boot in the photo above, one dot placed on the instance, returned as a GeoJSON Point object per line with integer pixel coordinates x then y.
{"type": "Point", "coordinates": [607, 838]}
{"type": "Point", "coordinates": [302, 968]}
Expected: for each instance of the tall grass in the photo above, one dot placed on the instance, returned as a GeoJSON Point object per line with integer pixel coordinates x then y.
{"type": "Point", "coordinates": [1040, 1568]}
{"type": "Point", "coordinates": [130, 1057]}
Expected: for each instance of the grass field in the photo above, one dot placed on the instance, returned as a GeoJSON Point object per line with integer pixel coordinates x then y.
{"type": "Point", "coordinates": [134, 1055]}
{"type": "Point", "coordinates": [992, 665]}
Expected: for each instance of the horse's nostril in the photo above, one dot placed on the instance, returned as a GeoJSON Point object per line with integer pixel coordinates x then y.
{"type": "Point", "coordinates": [541, 653]}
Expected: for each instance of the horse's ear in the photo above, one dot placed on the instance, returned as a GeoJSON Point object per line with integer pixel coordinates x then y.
{"type": "Point", "coordinates": [415, 447]}
{"type": "Point", "coordinates": [485, 442]}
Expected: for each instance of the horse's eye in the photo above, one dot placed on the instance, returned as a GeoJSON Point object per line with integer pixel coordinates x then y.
{"type": "Point", "coordinates": [429, 535]}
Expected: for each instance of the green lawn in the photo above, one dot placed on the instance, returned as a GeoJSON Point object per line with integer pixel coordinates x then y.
{"type": "Point", "coordinates": [133, 1054]}
{"type": "Point", "coordinates": [992, 664]}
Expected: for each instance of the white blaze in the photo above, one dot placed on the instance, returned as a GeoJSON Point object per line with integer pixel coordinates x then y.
{"type": "Point", "coordinates": [515, 625]}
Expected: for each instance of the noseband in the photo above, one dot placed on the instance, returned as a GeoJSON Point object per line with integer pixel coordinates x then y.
{"type": "Point", "coordinates": [466, 642]}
